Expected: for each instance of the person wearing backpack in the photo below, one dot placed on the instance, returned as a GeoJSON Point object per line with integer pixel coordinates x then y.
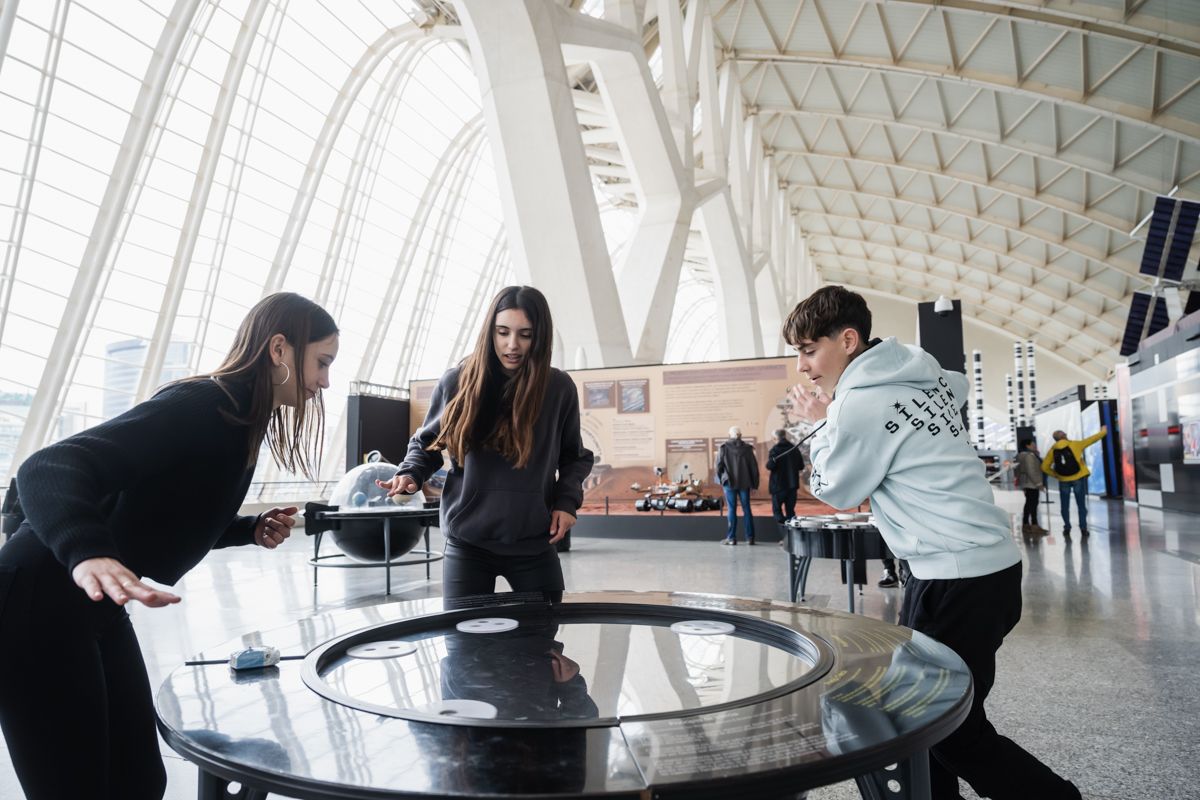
{"type": "Point", "coordinates": [1065, 462]}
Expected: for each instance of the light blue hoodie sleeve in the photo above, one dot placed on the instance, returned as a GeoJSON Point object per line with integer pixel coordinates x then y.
{"type": "Point", "coordinates": [849, 462]}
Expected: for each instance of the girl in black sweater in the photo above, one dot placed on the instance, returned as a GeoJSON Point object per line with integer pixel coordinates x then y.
{"type": "Point", "coordinates": [146, 494]}
{"type": "Point", "coordinates": [510, 424]}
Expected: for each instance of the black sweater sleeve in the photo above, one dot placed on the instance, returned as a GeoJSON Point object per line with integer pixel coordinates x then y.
{"type": "Point", "coordinates": [419, 462]}
{"type": "Point", "coordinates": [69, 490]}
{"type": "Point", "coordinates": [575, 461]}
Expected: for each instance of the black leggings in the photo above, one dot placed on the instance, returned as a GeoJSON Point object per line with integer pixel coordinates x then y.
{"type": "Point", "coordinates": [75, 702]}
{"type": "Point", "coordinates": [469, 570]}
{"type": "Point", "coordinates": [1029, 513]}
{"type": "Point", "coordinates": [972, 616]}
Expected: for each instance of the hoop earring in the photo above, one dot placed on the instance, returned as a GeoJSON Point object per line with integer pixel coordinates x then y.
{"type": "Point", "coordinates": [286, 378]}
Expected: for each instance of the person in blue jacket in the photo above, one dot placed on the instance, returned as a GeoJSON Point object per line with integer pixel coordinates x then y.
{"type": "Point", "coordinates": [510, 424]}
{"type": "Point", "coordinates": [145, 495]}
{"type": "Point", "coordinates": [890, 429]}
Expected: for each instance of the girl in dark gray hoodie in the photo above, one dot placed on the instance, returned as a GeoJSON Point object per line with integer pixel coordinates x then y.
{"type": "Point", "coordinates": [510, 424]}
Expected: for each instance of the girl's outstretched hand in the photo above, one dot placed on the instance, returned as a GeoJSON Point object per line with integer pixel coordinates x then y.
{"type": "Point", "coordinates": [400, 484]}
{"type": "Point", "coordinates": [107, 576]}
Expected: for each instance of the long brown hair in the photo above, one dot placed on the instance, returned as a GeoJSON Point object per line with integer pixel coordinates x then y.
{"type": "Point", "coordinates": [522, 395]}
{"type": "Point", "coordinates": [295, 434]}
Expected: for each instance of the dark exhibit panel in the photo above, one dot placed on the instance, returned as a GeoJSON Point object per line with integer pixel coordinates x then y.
{"type": "Point", "coordinates": [1164, 400]}
{"type": "Point", "coordinates": [375, 422]}
{"type": "Point", "coordinates": [941, 335]}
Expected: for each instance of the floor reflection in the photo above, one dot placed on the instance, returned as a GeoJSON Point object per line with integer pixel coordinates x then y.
{"type": "Point", "coordinates": [1106, 649]}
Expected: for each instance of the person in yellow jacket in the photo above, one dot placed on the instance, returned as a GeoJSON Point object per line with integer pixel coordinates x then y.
{"type": "Point", "coordinates": [1064, 461]}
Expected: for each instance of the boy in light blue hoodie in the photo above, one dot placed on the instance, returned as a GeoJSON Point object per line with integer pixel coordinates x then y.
{"type": "Point", "coordinates": [891, 429]}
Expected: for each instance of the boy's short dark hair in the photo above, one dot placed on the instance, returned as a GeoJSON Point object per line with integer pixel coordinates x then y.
{"type": "Point", "coordinates": [827, 312]}
{"type": "Point", "coordinates": [1025, 443]}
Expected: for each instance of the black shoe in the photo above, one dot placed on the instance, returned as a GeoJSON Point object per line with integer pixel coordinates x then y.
{"type": "Point", "coordinates": [728, 541]}
{"type": "Point", "coordinates": [750, 540]}
{"type": "Point", "coordinates": [888, 581]}
{"type": "Point", "coordinates": [1067, 532]}
{"type": "Point", "coordinates": [1084, 532]}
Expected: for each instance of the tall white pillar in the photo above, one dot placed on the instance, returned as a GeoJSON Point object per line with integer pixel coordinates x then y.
{"type": "Point", "coordinates": [554, 234]}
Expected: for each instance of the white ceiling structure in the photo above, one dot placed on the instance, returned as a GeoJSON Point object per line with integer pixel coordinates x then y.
{"type": "Point", "coordinates": [676, 172]}
{"type": "Point", "coordinates": [997, 152]}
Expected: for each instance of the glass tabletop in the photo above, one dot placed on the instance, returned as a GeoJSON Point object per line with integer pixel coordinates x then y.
{"type": "Point", "coordinates": [556, 670]}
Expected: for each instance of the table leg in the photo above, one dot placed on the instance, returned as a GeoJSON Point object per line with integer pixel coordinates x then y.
{"type": "Point", "coordinates": [316, 554]}
{"type": "Point", "coordinates": [213, 788]}
{"type": "Point", "coordinates": [848, 568]}
{"type": "Point", "coordinates": [426, 552]}
{"type": "Point", "coordinates": [907, 780]}
{"type": "Point", "coordinates": [387, 555]}
{"type": "Point", "coordinates": [805, 564]}
{"type": "Point", "coordinates": [793, 576]}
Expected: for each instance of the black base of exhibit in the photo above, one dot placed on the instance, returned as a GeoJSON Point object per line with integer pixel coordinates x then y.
{"type": "Point", "coordinates": [908, 780]}
{"type": "Point", "coordinates": [671, 526]}
{"type": "Point", "coordinates": [214, 788]}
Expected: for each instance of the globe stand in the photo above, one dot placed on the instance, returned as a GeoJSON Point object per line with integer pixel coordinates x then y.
{"type": "Point", "coordinates": [320, 519]}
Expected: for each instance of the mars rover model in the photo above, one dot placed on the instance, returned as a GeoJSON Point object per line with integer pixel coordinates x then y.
{"type": "Point", "coordinates": [685, 494]}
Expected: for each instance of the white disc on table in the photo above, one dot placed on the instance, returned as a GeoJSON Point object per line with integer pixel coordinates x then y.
{"type": "Point", "coordinates": [475, 709]}
{"type": "Point", "coordinates": [702, 627]}
{"type": "Point", "coordinates": [487, 625]}
{"type": "Point", "coordinates": [385, 649]}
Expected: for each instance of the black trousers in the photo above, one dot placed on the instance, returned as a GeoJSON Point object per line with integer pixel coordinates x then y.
{"type": "Point", "coordinates": [469, 570]}
{"type": "Point", "coordinates": [783, 504]}
{"type": "Point", "coordinates": [1029, 512]}
{"type": "Point", "coordinates": [972, 616]}
{"type": "Point", "coordinates": [75, 702]}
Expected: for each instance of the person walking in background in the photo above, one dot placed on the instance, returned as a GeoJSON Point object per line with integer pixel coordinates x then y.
{"type": "Point", "coordinates": [784, 462]}
{"type": "Point", "coordinates": [1031, 481]}
{"type": "Point", "coordinates": [737, 472]}
{"type": "Point", "coordinates": [1065, 462]}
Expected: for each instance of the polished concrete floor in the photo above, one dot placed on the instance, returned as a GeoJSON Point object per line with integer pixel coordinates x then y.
{"type": "Point", "coordinates": [1098, 680]}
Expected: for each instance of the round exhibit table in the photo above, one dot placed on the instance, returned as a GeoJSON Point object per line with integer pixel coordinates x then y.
{"type": "Point", "coordinates": [609, 694]}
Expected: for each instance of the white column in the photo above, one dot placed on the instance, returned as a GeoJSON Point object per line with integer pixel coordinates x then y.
{"type": "Point", "coordinates": [648, 275]}
{"type": "Point", "coordinates": [554, 232]}
{"type": "Point", "coordinates": [737, 305]}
